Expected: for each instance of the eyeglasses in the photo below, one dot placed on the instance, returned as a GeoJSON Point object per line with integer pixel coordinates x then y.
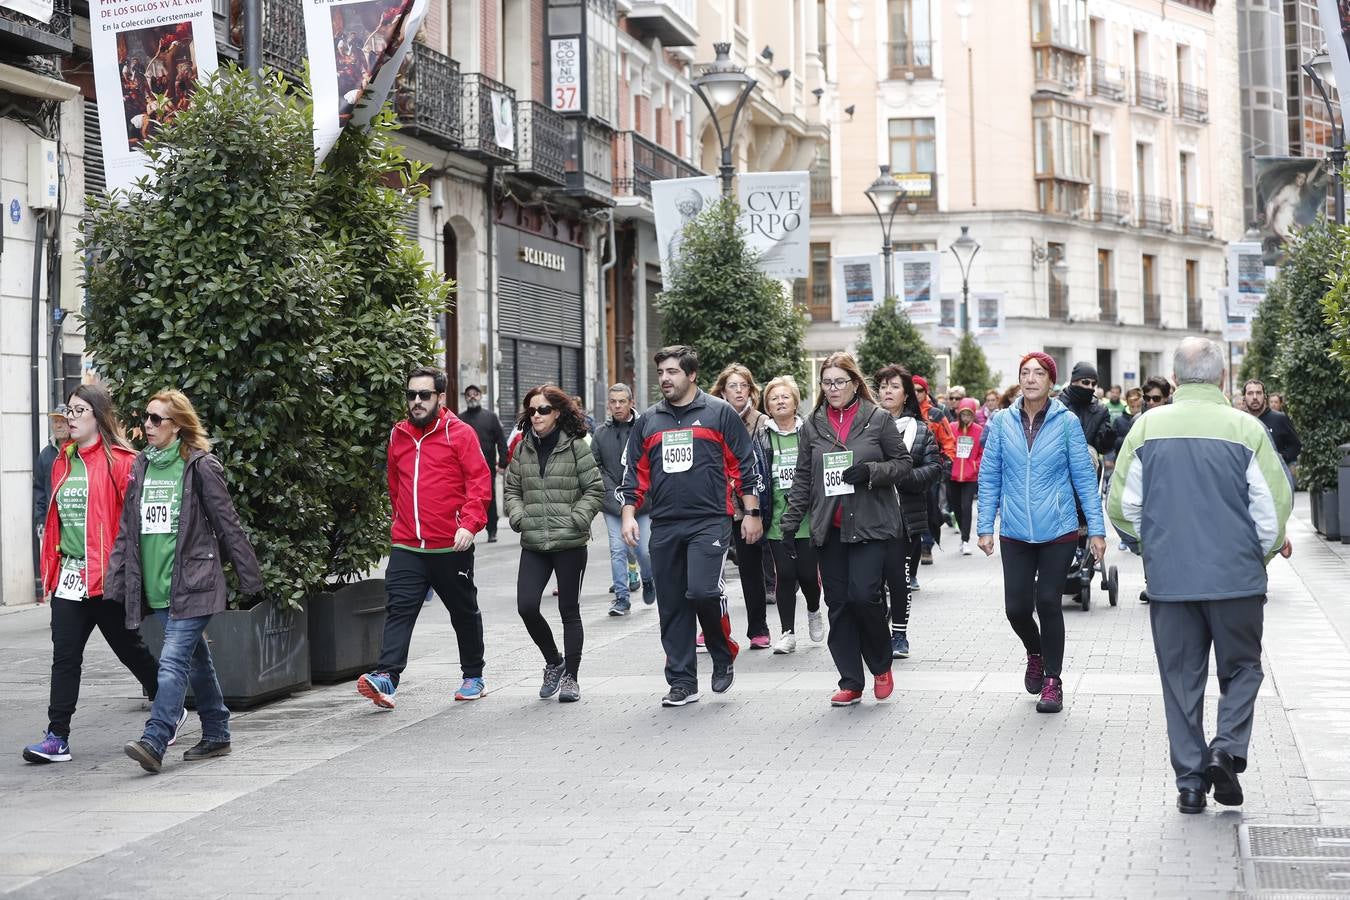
{"type": "Point", "coordinates": [156, 419]}
{"type": "Point", "coordinates": [737, 386]}
{"type": "Point", "coordinates": [424, 396]}
{"type": "Point", "coordinates": [834, 384]}
{"type": "Point", "coordinates": [1153, 398]}
{"type": "Point", "coordinates": [541, 410]}
{"type": "Point", "coordinates": [75, 412]}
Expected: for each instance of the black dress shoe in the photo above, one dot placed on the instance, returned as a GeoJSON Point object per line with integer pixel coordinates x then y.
{"type": "Point", "coordinates": [1222, 773]}
{"type": "Point", "coordinates": [207, 749]}
{"type": "Point", "coordinates": [1191, 801]}
{"type": "Point", "coordinates": [492, 539]}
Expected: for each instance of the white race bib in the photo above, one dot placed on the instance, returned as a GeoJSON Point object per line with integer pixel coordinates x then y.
{"type": "Point", "coordinates": [964, 445]}
{"type": "Point", "coordinates": [155, 518]}
{"type": "Point", "coordinates": [677, 451]}
{"type": "Point", "coordinates": [784, 468]}
{"type": "Point", "coordinates": [835, 464]}
{"type": "Point", "coordinates": [70, 583]}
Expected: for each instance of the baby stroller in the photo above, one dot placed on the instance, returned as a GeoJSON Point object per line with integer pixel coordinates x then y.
{"type": "Point", "coordinates": [1078, 583]}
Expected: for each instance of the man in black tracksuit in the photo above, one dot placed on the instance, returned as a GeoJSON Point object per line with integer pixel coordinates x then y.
{"type": "Point", "coordinates": [686, 457]}
{"type": "Point", "coordinates": [492, 439]}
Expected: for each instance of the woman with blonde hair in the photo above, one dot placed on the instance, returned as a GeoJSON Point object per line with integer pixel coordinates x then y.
{"type": "Point", "coordinates": [178, 526]}
{"type": "Point", "coordinates": [849, 459]}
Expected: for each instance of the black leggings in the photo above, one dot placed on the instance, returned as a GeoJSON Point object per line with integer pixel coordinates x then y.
{"type": "Point", "coordinates": [1033, 580]}
{"type": "Point", "coordinates": [902, 561]}
{"type": "Point", "coordinates": [750, 563]}
{"type": "Point", "coordinates": [535, 569]}
{"type": "Point", "coordinates": [963, 499]}
{"type": "Point", "coordinates": [793, 573]}
{"type": "Point", "coordinates": [73, 621]}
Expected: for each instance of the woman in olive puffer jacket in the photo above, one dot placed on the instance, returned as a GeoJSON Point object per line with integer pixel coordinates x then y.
{"type": "Point", "coordinates": [553, 491]}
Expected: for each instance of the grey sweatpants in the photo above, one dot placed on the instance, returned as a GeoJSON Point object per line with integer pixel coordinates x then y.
{"type": "Point", "coordinates": [1183, 633]}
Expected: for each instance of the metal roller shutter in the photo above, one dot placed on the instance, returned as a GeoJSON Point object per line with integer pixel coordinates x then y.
{"type": "Point", "coordinates": [531, 311]}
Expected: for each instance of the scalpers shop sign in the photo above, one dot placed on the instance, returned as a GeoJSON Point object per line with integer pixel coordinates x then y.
{"type": "Point", "coordinates": [776, 216]}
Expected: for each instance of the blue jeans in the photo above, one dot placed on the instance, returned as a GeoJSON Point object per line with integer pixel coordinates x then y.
{"type": "Point", "coordinates": [186, 659]}
{"type": "Point", "coordinates": [619, 551]}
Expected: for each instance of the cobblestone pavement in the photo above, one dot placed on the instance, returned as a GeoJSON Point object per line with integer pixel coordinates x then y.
{"type": "Point", "coordinates": [955, 787]}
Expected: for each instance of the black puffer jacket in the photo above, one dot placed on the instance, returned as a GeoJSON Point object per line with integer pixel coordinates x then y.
{"type": "Point", "coordinates": [1096, 421]}
{"type": "Point", "coordinates": [929, 467]}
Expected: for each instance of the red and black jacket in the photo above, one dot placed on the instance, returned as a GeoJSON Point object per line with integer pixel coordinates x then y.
{"type": "Point", "coordinates": [439, 482]}
{"type": "Point", "coordinates": [724, 462]}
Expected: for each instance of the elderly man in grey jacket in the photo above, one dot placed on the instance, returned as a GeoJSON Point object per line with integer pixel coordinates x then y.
{"type": "Point", "coordinates": [1201, 492]}
{"type": "Point", "coordinates": [608, 445]}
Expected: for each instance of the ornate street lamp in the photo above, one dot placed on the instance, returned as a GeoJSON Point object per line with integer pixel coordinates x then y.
{"type": "Point", "coordinates": [1319, 70]}
{"type": "Point", "coordinates": [723, 83]}
{"type": "Point", "coordinates": [885, 195]}
{"type": "Point", "coordinates": [964, 248]}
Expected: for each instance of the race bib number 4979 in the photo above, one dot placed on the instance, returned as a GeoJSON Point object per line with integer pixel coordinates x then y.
{"type": "Point", "coordinates": [677, 451]}
{"type": "Point", "coordinates": [70, 583]}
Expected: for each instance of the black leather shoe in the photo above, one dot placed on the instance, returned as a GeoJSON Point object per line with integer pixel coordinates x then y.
{"type": "Point", "coordinates": [721, 681]}
{"type": "Point", "coordinates": [144, 754]}
{"type": "Point", "coordinates": [207, 749]}
{"type": "Point", "coordinates": [1191, 801]}
{"type": "Point", "coordinates": [1222, 773]}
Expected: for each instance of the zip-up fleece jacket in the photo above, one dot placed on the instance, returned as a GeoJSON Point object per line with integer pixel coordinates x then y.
{"type": "Point", "coordinates": [439, 482]}
{"type": "Point", "coordinates": [722, 461]}
{"type": "Point", "coordinates": [608, 444]}
{"type": "Point", "coordinates": [103, 512]}
{"type": "Point", "coordinates": [1033, 490]}
{"type": "Point", "coordinates": [1203, 492]}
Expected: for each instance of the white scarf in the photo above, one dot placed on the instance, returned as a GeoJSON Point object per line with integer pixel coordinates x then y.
{"type": "Point", "coordinates": [909, 427]}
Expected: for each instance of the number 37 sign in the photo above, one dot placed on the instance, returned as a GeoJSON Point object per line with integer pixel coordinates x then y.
{"type": "Point", "coordinates": [566, 55]}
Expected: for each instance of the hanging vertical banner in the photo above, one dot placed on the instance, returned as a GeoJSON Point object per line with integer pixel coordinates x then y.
{"type": "Point", "coordinates": [857, 288]}
{"type": "Point", "coordinates": [148, 58]}
{"type": "Point", "coordinates": [948, 317]}
{"type": "Point", "coordinates": [676, 202]}
{"type": "Point", "coordinates": [1291, 193]}
{"type": "Point", "coordinates": [776, 216]}
{"type": "Point", "coordinates": [986, 312]}
{"type": "Point", "coordinates": [1335, 16]}
{"type": "Point", "coordinates": [565, 74]}
{"type": "Point", "coordinates": [355, 49]}
{"type": "Point", "coordinates": [1246, 274]}
{"type": "Point", "coordinates": [918, 280]}
{"type": "Point", "coordinates": [1237, 319]}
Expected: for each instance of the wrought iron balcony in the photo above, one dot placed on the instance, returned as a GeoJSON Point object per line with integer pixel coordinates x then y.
{"type": "Point", "coordinates": [1111, 206]}
{"type": "Point", "coordinates": [1193, 103]}
{"type": "Point", "coordinates": [1107, 81]}
{"type": "Point", "coordinates": [910, 59]}
{"type": "Point", "coordinates": [589, 162]}
{"type": "Point", "coordinates": [670, 20]}
{"type": "Point", "coordinates": [1108, 309]}
{"type": "Point", "coordinates": [1152, 309]}
{"type": "Point", "coordinates": [1195, 314]}
{"type": "Point", "coordinates": [543, 148]}
{"type": "Point", "coordinates": [1154, 212]}
{"type": "Point", "coordinates": [1059, 300]}
{"type": "Point", "coordinates": [427, 99]}
{"type": "Point", "coordinates": [284, 36]}
{"type": "Point", "coordinates": [21, 35]}
{"type": "Point", "coordinates": [638, 162]}
{"type": "Point", "coordinates": [1197, 220]}
{"type": "Point", "coordinates": [489, 119]}
{"type": "Point", "coordinates": [1150, 91]}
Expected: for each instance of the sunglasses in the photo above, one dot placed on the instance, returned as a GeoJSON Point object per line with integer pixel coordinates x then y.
{"type": "Point", "coordinates": [156, 419]}
{"type": "Point", "coordinates": [424, 396]}
{"type": "Point", "coordinates": [541, 410]}
{"type": "Point", "coordinates": [1153, 398]}
{"type": "Point", "coordinates": [1086, 382]}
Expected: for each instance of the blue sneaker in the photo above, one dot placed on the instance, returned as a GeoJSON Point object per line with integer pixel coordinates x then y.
{"type": "Point", "coordinates": [471, 689]}
{"type": "Point", "coordinates": [899, 646]}
{"type": "Point", "coordinates": [49, 750]}
{"type": "Point", "coordinates": [378, 688]}
{"type": "Point", "coordinates": [620, 606]}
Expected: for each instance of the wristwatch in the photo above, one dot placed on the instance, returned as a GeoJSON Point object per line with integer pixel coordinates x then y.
{"type": "Point", "coordinates": [755, 513]}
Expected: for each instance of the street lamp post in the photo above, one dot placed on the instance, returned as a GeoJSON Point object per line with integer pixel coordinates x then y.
{"type": "Point", "coordinates": [1319, 70]}
{"type": "Point", "coordinates": [964, 248]}
{"type": "Point", "coordinates": [722, 83]}
{"type": "Point", "coordinates": [885, 194]}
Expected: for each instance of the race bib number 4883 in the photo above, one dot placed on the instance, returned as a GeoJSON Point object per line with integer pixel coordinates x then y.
{"type": "Point", "coordinates": [677, 451]}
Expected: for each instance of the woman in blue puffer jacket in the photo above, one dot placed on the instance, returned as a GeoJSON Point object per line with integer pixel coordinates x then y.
{"type": "Point", "coordinates": [1035, 461]}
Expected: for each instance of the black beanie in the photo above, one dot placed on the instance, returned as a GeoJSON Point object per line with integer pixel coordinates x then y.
{"type": "Point", "coordinates": [1083, 370]}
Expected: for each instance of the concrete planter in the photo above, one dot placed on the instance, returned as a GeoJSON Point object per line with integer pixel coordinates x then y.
{"type": "Point", "coordinates": [345, 630]}
{"type": "Point", "coordinates": [1326, 513]}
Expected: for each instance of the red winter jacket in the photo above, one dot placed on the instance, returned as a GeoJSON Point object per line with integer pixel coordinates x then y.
{"type": "Point", "coordinates": [439, 482]}
{"type": "Point", "coordinates": [968, 439]}
{"type": "Point", "coordinates": [103, 512]}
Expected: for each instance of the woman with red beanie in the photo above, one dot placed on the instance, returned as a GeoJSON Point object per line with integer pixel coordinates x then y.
{"type": "Point", "coordinates": [1035, 461]}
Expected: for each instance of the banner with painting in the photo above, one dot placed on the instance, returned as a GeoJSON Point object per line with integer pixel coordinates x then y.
{"type": "Point", "coordinates": [1246, 273]}
{"type": "Point", "coordinates": [148, 59]}
{"type": "Point", "coordinates": [986, 312]}
{"type": "Point", "coordinates": [1291, 193]}
{"type": "Point", "coordinates": [918, 283]}
{"type": "Point", "coordinates": [857, 288]}
{"type": "Point", "coordinates": [676, 202]}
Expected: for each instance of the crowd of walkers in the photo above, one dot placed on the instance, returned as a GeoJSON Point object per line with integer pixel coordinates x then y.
{"type": "Point", "coordinates": [841, 500]}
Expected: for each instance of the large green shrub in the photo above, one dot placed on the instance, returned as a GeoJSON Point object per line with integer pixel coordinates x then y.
{"type": "Point", "coordinates": [890, 337]}
{"type": "Point", "coordinates": [721, 304]}
{"type": "Point", "coordinates": [1259, 361]}
{"type": "Point", "coordinates": [970, 368]}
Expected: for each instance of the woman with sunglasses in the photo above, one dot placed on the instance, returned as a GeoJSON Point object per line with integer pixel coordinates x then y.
{"type": "Point", "coordinates": [553, 491]}
{"type": "Point", "coordinates": [178, 527]}
{"type": "Point", "coordinates": [850, 456]}
{"type": "Point", "coordinates": [89, 482]}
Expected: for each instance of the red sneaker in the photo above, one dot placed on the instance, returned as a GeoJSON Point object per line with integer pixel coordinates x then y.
{"type": "Point", "coordinates": [846, 698]}
{"type": "Point", "coordinates": [884, 685]}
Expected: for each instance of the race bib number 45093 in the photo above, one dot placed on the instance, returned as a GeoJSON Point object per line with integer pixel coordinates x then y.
{"type": "Point", "coordinates": [677, 451]}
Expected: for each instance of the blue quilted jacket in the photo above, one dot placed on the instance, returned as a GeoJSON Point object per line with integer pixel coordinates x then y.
{"type": "Point", "coordinates": [1033, 492]}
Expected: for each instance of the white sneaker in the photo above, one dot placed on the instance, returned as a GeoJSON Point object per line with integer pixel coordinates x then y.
{"type": "Point", "coordinates": [965, 549]}
{"type": "Point", "coordinates": [815, 625]}
{"type": "Point", "coordinates": [786, 644]}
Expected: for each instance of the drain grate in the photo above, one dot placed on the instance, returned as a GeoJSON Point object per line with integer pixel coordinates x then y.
{"type": "Point", "coordinates": [1301, 875]}
{"type": "Point", "coordinates": [1309, 859]}
{"type": "Point", "coordinates": [1303, 842]}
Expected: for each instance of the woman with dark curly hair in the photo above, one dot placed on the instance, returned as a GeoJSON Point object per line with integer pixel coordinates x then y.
{"type": "Point", "coordinates": [553, 491]}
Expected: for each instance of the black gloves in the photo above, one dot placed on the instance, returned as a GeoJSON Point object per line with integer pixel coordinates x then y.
{"type": "Point", "coordinates": [790, 547]}
{"type": "Point", "coordinates": [856, 474]}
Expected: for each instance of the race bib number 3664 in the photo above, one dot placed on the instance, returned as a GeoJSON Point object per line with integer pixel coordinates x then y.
{"type": "Point", "coordinates": [834, 465]}
{"type": "Point", "coordinates": [677, 451]}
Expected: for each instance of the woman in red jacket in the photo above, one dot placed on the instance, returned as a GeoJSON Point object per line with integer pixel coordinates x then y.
{"type": "Point", "coordinates": [966, 467]}
{"type": "Point", "coordinates": [89, 481]}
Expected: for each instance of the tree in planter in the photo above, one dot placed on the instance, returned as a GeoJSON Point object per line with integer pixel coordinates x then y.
{"type": "Point", "coordinates": [1314, 383]}
{"type": "Point", "coordinates": [1259, 361]}
{"type": "Point", "coordinates": [890, 337]}
{"type": "Point", "coordinates": [1336, 312]}
{"type": "Point", "coordinates": [722, 305]}
{"type": "Point", "coordinates": [970, 368]}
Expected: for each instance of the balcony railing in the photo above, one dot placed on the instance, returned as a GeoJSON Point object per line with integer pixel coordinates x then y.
{"type": "Point", "coordinates": [1193, 103]}
{"type": "Point", "coordinates": [1154, 212]}
{"type": "Point", "coordinates": [489, 119]}
{"type": "Point", "coordinates": [821, 191]}
{"type": "Point", "coordinates": [1108, 310]}
{"type": "Point", "coordinates": [1107, 81]}
{"type": "Point", "coordinates": [1195, 314]}
{"type": "Point", "coordinates": [426, 97]}
{"type": "Point", "coordinates": [1059, 300]}
{"type": "Point", "coordinates": [589, 163]}
{"type": "Point", "coordinates": [1111, 206]}
{"type": "Point", "coordinates": [543, 148]}
{"type": "Point", "coordinates": [1197, 220]}
{"type": "Point", "coordinates": [673, 21]}
{"type": "Point", "coordinates": [638, 162]}
{"type": "Point", "coordinates": [1150, 91]}
{"type": "Point", "coordinates": [283, 36]}
{"type": "Point", "coordinates": [24, 36]}
{"type": "Point", "coordinates": [910, 59]}
{"type": "Point", "coordinates": [1152, 309]}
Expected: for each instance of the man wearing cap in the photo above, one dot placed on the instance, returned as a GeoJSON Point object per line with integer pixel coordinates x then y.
{"type": "Point", "coordinates": [42, 476]}
{"type": "Point", "coordinates": [492, 439]}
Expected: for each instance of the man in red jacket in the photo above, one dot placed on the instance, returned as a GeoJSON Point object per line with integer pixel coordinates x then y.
{"type": "Point", "coordinates": [440, 486]}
